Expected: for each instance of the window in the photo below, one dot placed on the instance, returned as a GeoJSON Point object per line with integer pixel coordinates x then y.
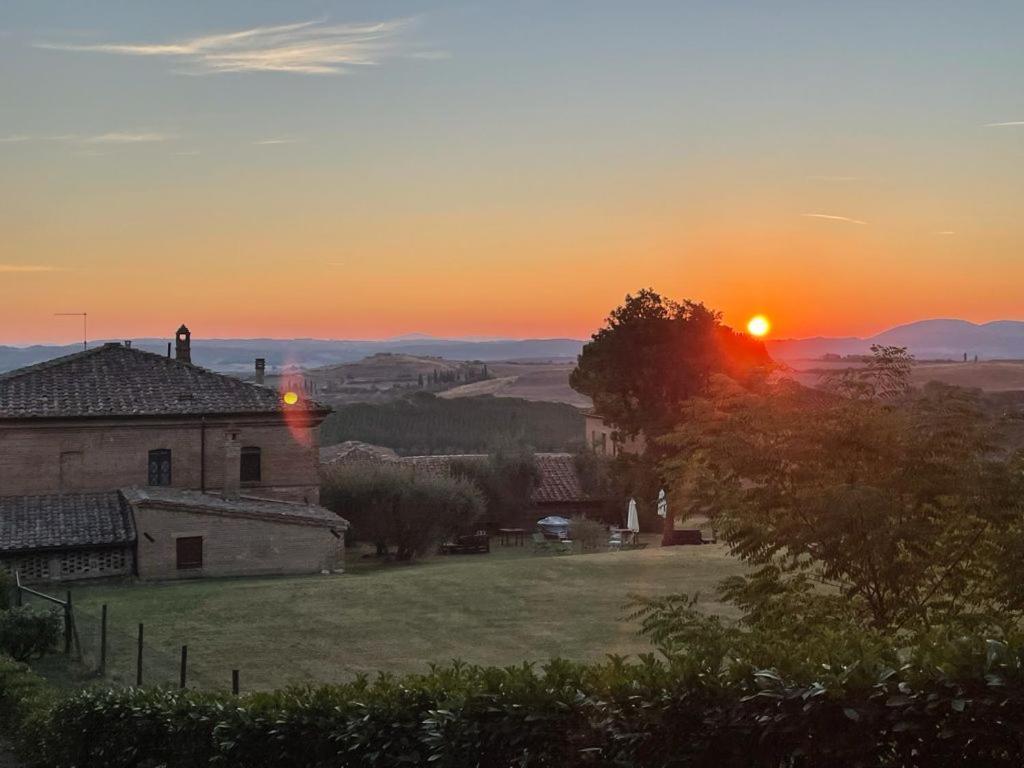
{"type": "Point", "coordinates": [190, 552]}
{"type": "Point", "coordinates": [250, 471]}
{"type": "Point", "coordinates": [160, 466]}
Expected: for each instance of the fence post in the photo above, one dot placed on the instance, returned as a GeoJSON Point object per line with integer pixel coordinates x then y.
{"type": "Point", "coordinates": [67, 624]}
{"type": "Point", "coordinates": [138, 661]}
{"type": "Point", "coordinates": [184, 664]}
{"type": "Point", "coordinates": [103, 640]}
{"type": "Point", "coordinates": [234, 681]}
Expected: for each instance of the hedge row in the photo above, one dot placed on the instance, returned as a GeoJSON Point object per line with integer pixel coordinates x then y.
{"type": "Point", "coordinates": [614, 714]}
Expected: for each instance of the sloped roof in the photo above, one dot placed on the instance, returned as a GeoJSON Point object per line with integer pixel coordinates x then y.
{"type": "Point", "coordinates": [115, 380]}
{"type": "Point", "coordinates": [61, 521]}
{"type": "Point", "coordinates": [245, 506]}
{"type": "Point", "coordinates": [354, 450]}
{"type": "Point", "coordinates": [559, 481]}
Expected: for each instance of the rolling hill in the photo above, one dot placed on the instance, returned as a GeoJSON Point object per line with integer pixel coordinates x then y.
{"type": "Point", "coordinates": [926, 339]}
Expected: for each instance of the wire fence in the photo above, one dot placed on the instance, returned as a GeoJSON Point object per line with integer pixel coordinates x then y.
{"type": "Point", "coordinates": [125, 652]}
{"type": "Point", "coordinates": [111, 646]}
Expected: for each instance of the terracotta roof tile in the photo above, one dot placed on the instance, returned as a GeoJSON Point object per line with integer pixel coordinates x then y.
{"type": "Point", "coordinates": [205, 503]}
{"type": "Point", "coordinates": [59, 521]}
{"type": "Point", "coordinates": [114, 380]}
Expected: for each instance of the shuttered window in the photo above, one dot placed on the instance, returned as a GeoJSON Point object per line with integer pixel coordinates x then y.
{"type": "Point", "coordinates": [190, 552]}
{"type": "Point", "coordinates": [250, 469]}
{"type": "Point", "coordinates": [160, 466]}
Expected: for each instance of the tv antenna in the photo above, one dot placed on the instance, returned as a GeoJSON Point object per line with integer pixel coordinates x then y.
{"type": "Point", "coordinates": [85, 324]}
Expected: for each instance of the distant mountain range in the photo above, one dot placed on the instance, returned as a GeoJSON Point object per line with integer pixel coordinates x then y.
{"type": "Point", "coordinates": [238, 355]}
{"type": "Point", "coordinates": [927, 339]}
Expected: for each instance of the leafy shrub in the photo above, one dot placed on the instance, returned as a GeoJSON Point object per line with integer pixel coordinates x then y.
{"type": "Point", "coordinates": [392, 507]}
{"type": "Point", "coordinates": [589, 533]}
{"type": "Point", "coordinates": [966, 710]}
{"type": "Point", "coordinates": [26, 633]}
{"type": "Point", "coordinates": [507, 479]}
{"type": "Point", "coordinates": [25, 700]}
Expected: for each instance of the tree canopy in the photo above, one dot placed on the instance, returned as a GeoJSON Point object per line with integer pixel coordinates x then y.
{"type": "Point", "coordinates": [897, 508]}
{"type": "Point", "coordinates": [653, 354]}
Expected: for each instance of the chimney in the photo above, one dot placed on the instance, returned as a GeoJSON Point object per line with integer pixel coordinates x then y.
{"type": "Point", "coordinates": [261, 369]}
{"type": "Point", "coordinates": [232, 466]}
{"type": "Point", "coordinates": [183, 345]}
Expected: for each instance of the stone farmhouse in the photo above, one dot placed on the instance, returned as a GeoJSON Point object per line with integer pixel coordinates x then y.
{"type": "Point", "coordinates": [116, 461]}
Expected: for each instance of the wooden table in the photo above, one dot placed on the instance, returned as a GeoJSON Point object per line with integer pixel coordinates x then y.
{"type": "Point", "coordinates": [512, 536]}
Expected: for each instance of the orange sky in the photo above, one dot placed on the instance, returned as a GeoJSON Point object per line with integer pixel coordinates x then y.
{"type": "Point", "coordinates": [512, 173]}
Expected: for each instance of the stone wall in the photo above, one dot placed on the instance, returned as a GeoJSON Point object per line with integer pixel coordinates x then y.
{"type": "Point", "coordinates": [70, 565]}
{"type": "Point", "coordinates": [106, 454]}
{"type": "Point", "coordinates": [233, 545]}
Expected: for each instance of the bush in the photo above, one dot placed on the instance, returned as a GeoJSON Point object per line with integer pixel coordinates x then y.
{"type": "Point", "coordinates": [507, 479]}
{"type": "Point", "coordinates": [390, 506]}
{"type": "Point", "coordinates": [25, 700]}
{"type": "Point", "coordinates": [26, 633]}
{"type": "Point", "coordinates": [967, 711]}
{"type": "Point", "coordinates": [589, 533]}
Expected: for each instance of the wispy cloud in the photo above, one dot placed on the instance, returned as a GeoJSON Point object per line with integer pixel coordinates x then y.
{"type": "Point", "coordinates": [126, 138]}
{"type": "Point", "coordinates": [29, 268]}
{"type": "Point", "coordinates": [946, 232]}
{"type": "Point", "coordinates": [114, 137]}
{"type": "Point", "coordinates": [1005, 125]}
{"type": "Point", "coordinates": [832, 217]}
{"type": "Point", "coordinates": [833, 178]}
{"type": "Point", "coordinates": [308, 47]}
{"type": "Point", "coordinates": [281, 140]}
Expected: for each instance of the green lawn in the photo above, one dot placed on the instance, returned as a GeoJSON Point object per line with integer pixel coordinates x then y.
{"type": "Point", "coordinates": [501, 608]}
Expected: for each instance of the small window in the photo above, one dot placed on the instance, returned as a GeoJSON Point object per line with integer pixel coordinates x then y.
{"type": "Point", "coordinates": [160, 466]}
{"type": "Point", "coordinates": [250, 470]}
{"type": "Point", "coordinates": [190, 552]}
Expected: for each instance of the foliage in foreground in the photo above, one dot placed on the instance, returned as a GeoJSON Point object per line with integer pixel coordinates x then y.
{"type": "Point", "coordinates": [891, 508]}
{"type": "Point", "coordinates": [968, 709]}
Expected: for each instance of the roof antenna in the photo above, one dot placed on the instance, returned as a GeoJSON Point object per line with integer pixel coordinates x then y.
{"type": "Point", "coordinates": [85, 324]}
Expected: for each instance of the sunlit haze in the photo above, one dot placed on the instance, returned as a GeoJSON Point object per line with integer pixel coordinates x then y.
{"type": "Point", "coordinates": [367, 169]}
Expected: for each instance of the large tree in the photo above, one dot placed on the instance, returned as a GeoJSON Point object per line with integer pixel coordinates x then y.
{"type": "Point", "coordinates": [653, 354]}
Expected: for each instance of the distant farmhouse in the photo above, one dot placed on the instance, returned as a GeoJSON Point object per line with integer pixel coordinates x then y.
{"type": "Point", "coordinates": [115, 461]}
{"type": "Point", "coordinates": [605, 440]}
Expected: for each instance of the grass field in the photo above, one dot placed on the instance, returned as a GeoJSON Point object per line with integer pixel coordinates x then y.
{"type": "Point", "coordinates": [501, 609]}
{"type": "Point", "coordinates": [530, 381]}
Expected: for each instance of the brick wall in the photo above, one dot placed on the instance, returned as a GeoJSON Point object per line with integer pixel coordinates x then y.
{"type": "Point", "coordinates": [232, 545]}
{"type": "Point", "coordinates": [103, 455]}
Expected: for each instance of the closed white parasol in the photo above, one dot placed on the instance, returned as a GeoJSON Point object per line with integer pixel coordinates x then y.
{"type": "Point", "coordinates": [632, 520]}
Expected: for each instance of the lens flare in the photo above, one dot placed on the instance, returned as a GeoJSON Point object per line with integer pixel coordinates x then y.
{"type": "Point", "coordinates": [290, 398]}
{"type": "Point", "coordinates": [758, 325]}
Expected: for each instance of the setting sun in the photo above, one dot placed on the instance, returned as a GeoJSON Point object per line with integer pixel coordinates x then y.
{"type": "Point", "coordinates": [290, 398]}
{"type": "Point", "coordinates": [758, 325]}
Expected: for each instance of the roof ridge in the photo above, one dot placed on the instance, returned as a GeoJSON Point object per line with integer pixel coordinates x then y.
{"type": "Point", "coordinates": [107, 360]}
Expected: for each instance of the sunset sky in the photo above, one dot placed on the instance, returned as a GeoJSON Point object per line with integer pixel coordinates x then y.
{"type": "Point", "coordinates": [366, 169]}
